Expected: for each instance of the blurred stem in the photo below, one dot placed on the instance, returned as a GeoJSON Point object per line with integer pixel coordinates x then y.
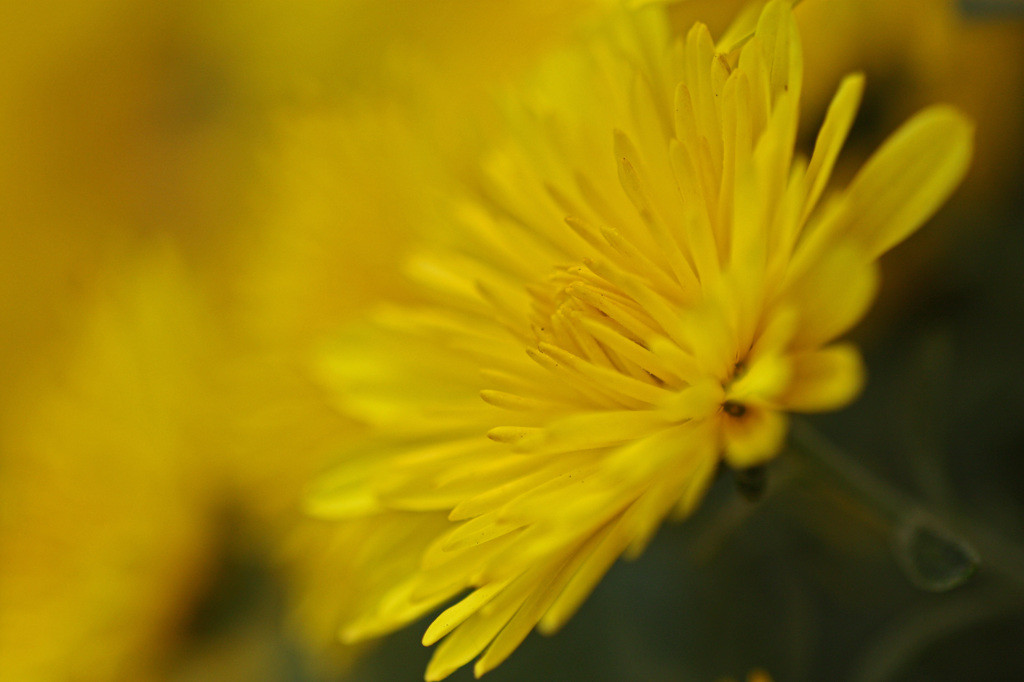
{"type": "Point", "coordinates": [910, 635]}
{"type": "Point", "coordinates": [713, 534]}
{"type": "Point", "coordinates": [897, 507]}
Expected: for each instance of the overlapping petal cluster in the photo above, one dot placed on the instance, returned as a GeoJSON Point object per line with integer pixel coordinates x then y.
{"type": "Point", "coordinates": [646, 281]}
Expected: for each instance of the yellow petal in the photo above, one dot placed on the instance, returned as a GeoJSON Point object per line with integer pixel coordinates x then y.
{"type": "Point", "coordinates": [345, 493]}
{"type": "Point", "coordinates": [754, 438]}
{"type": "Point", "coordinates": [396, 608]}
{"type": "Point", "coordinates": [479, 629]}
{"type": "Point", "coordinates": [678, 484]}
{"type": "Point", "coordinates": [832, 295]}
{"type": "Point", "coordinates": [477, 531]}
{"type": "Point", "coordinates": [611, 380]}
{"type": "Point", "coordinates": [589, 430]}
{"type": "Point", "coordinates": [610, 543]}
{"type": "Point", "coordinates": [701, 481]}
{"type": "Point", "coordinates": [461, 646]}
{"type": "Point", "coordinates": [743, 26]}
{"type": "Point", "coordinates": [546, 590]}
{"type": "Point", "coordinates": [627, 349]}
{"type": "Point", "coordinates": [841, 113]}
{"type": "Point", "coordinates": [825, 379]}
{"type": "Point", "coordinates": [762, 382]}
{"type": "Point", "coordinates": [694, 402]}
{"type": "Point", "coordinates": [455, 615]}
{"type": "Point", "coordinates": [644, 460]}
{"type": "Point", "coordinates": [781, 40]}
{"type": "Point", "coordinates": [907, 179]}
{"type": "Point", "coordinates": [741, 30]}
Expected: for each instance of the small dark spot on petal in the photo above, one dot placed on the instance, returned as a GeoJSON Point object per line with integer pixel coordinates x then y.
{"type": "Point", "coordinates": [734, 409]}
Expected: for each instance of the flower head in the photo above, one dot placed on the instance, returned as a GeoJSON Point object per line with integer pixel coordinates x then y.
{"type": "Point", "coordinates": [645, 284]}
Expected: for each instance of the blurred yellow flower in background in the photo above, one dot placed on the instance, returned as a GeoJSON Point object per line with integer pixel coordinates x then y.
{"type": "Point", "coordinates": [176, 234]}
{"type": "Point", "coordinates": [643, 286]}
{"type": "Point", "coordinates": [104, 535]}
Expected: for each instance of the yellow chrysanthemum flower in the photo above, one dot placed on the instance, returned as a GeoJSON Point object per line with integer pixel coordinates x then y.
{"type": "Point", "coordinates": [646, 283]}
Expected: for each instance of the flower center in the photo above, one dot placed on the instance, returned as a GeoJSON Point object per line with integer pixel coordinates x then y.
{"type": "Point", "coordinates": [582, 313]}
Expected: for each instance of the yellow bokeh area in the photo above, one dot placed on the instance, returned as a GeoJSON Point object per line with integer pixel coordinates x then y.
{"type": "Point", "coordinates": [192, 194]}
{"type": "Point", "coordinates": [196, 195]}
{"type": "Point", "coordinates": [105, 529]}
